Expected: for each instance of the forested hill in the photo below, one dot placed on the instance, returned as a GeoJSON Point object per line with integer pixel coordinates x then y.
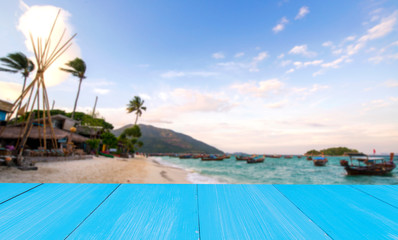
{"type": "Point", "coordinates": [335, 151]}
{"type": "Point", "coordinates": [159, 140]}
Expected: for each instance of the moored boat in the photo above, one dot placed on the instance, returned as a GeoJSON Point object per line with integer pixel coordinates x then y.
{"type": "Point", "coordinates": [274, 156]}
{"type": "Point", "coordinates": [366, 165]}
{"type": "Point", "coordinates": [212, 158]}
{"type": "Point", "coordinates": [241, 158]}
{"type": "Point", "coordinates": [255, 160]}
{"type": "Point", "coordinates": [320, 161]}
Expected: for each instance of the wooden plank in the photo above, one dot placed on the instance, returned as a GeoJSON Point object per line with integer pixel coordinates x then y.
{"type": "Point", "coordinates": [50, 211]}
{"type": "Point", "coordinates": [251, 212]}
{"type": "Point", "coordinates": [144, 211]}
{"type": "Point", "coordinates": [344, 212]}
{"type": "Point", "coordinates": [386, 193]}
{"type": "Point", "coordinates": [10, 190]}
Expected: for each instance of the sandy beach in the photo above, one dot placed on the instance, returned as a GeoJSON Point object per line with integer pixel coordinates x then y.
{"type": "Point", "coordinates": [97, 170]}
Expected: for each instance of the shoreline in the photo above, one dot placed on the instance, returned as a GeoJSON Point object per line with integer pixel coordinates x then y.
{"type": "Point", "coordinates": [98, 170]}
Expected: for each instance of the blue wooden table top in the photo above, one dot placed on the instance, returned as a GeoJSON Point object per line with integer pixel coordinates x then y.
{"type": "Point", "coordinates": [190, 211]}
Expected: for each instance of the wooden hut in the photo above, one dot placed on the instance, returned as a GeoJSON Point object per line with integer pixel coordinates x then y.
{"type": "Point", "coordinates": [5, 108]}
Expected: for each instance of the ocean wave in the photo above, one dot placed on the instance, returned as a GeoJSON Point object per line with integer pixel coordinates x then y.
{"type": "Point", "coordinates": [192, 176]}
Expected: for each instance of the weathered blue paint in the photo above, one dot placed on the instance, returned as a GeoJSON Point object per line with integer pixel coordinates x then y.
{"type": "Point", "coordinates": [2, 115]}
{"type": "Point", "coordinates": [251, 212]}
{"type": "Point", "coordinates": [385, 193]}
{"type": "Point", "coordinates": [50, 211]}
{"type": "Point", "coordinates": [146, 211]}
{"type": "Point", "coordinates": [136, 211]}
{"type": "Point", "coordinates": [344, 212]}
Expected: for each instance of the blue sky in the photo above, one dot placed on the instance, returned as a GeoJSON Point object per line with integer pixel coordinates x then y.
{"type": "Point", "coordinates": [254, 76]}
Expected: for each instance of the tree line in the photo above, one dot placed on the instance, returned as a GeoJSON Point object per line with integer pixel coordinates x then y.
{"type": "Point", "coordinates": [335, 151]}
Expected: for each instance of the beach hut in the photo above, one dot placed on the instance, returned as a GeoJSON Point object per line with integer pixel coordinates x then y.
{"type": "Point", "coordinates": [5, 108]}
{"type": "Point", "coordinates": [35, 96]}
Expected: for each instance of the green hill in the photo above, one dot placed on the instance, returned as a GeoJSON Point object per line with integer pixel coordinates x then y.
{"type": "Point", "coordinates": [335, 151]}
{"type": "Point", "coordinates": [159, 140]}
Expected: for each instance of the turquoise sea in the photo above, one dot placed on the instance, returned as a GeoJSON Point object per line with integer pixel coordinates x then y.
{"type": "Point", "coordinates": [273, 171]}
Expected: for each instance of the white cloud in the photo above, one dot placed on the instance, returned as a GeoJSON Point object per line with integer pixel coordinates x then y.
{"type": "Point", "coordinates": [319, 72]}
{"type": "Point", "coordinates": [335, 63]}
{"type": "Point", "coordinates": [384, 55]}
{"type": "Point", "coordinates": [379, 59]}
{"type": "Point", "coordinates": [327, 44]}
{"type": "Point", "coordinates": [101, 91]}
{"type": "Point", "coordinates": [259, 89]}
{"type": "Point", "coordinates": [38, 21]}
{"type": "Point", "coordinates": [299, 64]}
{"type": "Point", "coordinates": [375, 104]}
{"type": "Point", "coordinates": [240, 54]}
{"type": "Point", "coordinates": [305, 91]}
{"type": "Point", "coordinates": [281, 25]}
{"type": "Point", "coordinates": [290, 71]}
{"type": "Point", "coordinates": [218, 55]}
{"type": "Point", "coordinates": [279, 104]}
{"type": "Point", "coordinates": [10, 91]}
{"type": "Point", "coordinates": [338, 51]}
{"type": "Point", "coordinates": [260, 57]}
{"type": "Point", "coordinates": [163, 96]}
{"type": "Point", "coordinates": [382, 29]}
{"type": "Point", "coordinates": [286, 63]}
{"type": "Point", "coordinates": [391, 83]}
{"type": "Point", "coordinates": [175, 74]}
{"type": "Point", "coordinates": [97, 83]}
{"type": "Point", "coordinates": [188, 100]}
{"type": "Point", "coordinates": [281, 56]}
{"type": "Point", "coordinates": [350, 38]}
{"type": "Point", "coordinates": [302, 50]}
{"type": "Point", "coordinates": [172, 74]}
{"type": "Point", "coordinates": [302, 12]}
{"type": "Point", "coordinates": [144, 96]}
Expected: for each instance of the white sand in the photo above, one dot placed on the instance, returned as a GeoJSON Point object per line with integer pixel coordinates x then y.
{"type": "Point", "coordinates": [97, 170]}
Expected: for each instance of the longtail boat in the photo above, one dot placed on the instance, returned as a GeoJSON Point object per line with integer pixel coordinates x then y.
{"type": "Point", "coordinates": [320, 161]}
{"type": "Point", "coordinates": [212, 158]}
{"type": "Point", "coordinates": [185, 156]}
{"type": "Point", "coordinates": [366, 165]}
{"type": "Point", "coordinates": [255, 160]}
{"type": "Point", "coordinates": [241, 158]}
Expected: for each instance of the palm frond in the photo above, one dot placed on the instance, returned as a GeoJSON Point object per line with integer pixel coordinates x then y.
{"type": "Point", "coordinates": [10, 63]}
{"type": "Point", "coordinates": [77, 67]}
{"type": "Point", "coordinates": [8, 70]}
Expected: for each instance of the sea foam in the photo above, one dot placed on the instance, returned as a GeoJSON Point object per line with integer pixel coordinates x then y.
{"type": "Point", "coordinates": [192, 176]}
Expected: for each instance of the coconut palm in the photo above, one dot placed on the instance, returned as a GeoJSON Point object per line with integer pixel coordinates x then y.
{"type": "Point", "coordinates": [136, 105]}
{"type": "Point", "coordinates": [78, 68]}
{"type": "Point", "coordinates": [17, 62]}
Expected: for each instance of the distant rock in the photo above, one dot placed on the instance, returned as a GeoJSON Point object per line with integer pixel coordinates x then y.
{"type": "Point", "coordinates": [160, 140]}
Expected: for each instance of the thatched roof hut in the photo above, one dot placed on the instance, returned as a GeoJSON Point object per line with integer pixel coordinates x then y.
{"type": "Point", "coordinates": [16, 132]}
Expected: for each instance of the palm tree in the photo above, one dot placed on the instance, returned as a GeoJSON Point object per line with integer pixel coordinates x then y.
{"type": "Point", "coordinates": [136, 105]}
{"type": "Point", "coordinates": [78, 68]}
{"type": "Point", "coordinates": [18, 62]}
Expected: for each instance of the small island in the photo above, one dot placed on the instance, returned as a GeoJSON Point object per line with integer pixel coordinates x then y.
{"type": "Point", "coordinates": [335, 151]}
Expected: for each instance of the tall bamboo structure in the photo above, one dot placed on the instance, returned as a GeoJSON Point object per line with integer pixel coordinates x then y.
{"type": "Point", "coordinates": [35, 95]}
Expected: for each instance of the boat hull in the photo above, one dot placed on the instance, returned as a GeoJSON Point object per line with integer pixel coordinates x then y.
{"type": "Point", "coordinates": [260, 160]}
{"type": "Point", "coordinates": [320, 163]}
{"type": "Point", "coordinates": [374, 170]}
{"type": "Point", "coordinates": [212, 159]}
